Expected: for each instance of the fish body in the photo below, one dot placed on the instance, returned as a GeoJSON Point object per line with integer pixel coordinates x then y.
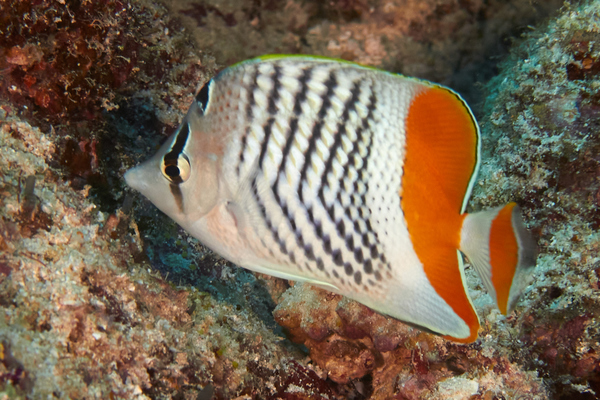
{"type": "Point", "coordinates": [347, 177]}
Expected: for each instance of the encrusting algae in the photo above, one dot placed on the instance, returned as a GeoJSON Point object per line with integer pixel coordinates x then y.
{"type": "Point", "coordinates": [82, 319]}
{"type": "Point", "coordinates": [91, 305]}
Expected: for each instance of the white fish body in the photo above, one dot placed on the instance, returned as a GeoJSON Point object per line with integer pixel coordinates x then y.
{"type": "Point", "coordinates": [344, 176]}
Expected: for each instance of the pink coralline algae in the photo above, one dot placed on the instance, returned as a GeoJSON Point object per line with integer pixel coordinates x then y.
{"type": "Point", "coordinates": [353, 343]}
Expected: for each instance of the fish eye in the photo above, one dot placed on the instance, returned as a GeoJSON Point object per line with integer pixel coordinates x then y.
{"type": "Point", "coordinates": [176, 170]}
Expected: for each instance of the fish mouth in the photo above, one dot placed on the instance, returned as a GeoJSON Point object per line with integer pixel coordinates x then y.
{"type": "Point", "coordinates": [136, 179]}
{"type": "Point", "coordinates": [131, 178]}
{"type": "Point", "coordinates": [146, 180]}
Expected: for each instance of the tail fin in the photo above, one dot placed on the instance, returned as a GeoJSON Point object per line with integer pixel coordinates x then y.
{"type": "Point", "coordinates": [502, 252]}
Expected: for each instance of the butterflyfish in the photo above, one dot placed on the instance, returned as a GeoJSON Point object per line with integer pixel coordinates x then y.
{"type": "Point", "coordinates": [347, 177]}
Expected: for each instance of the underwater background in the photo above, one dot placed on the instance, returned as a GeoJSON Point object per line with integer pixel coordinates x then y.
{"type": "Point", "coordinates": [102, 296]}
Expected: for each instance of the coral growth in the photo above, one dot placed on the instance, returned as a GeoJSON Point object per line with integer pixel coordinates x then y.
{"type": "Point", "coordinates": [64, 59]}
{"type": "Point", "coordinates": [546, 105]}
{"type": "Point", "coordinates": [448, 41]}
{"type": "Point", "coordinates": [540, 149]}
{"type": "Point", "coordinates": [88, 290]}
{"type": "Point", "coordinates": [68, 65]}
{"type": "Point", "coordinates": [393, 360]}
{"type": "Point", "coordinates": [81, 318]}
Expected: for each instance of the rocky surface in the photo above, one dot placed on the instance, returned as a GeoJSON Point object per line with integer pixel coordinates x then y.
{"type": "Point", "coordinates": [102, 297]}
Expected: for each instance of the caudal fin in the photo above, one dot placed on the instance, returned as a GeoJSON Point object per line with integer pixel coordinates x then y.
{"type": "Point", "coordinates": [502, 252]}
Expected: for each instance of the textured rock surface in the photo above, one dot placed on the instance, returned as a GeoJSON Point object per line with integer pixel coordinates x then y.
{"type": "Point", "coordinates": [100, 298]}
{"type": "Point", "coordinates": [82, 317]}
{"type": "Point", "coordinates": [351, 342]}
{"type": "Point", "coordinates": [448, 41]}
{"type": "Point", "coordinates": [540, 149]}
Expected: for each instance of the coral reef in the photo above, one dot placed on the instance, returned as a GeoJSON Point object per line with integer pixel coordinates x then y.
{"type": "Point", "coordinates": [453, 42]}
{"type": "Point", "coordinates": [541, 150]}
{"type": "Point", "coordinates": [103, 297]}
{"type": "Point", "coordinates": [546, 104]}
{"type": "Point", "coordinates": [84, 317]}
{"type": "Point", "coordinates": [78, 59]}
{"type": "Point", "coordinates": [80, 68]}
{"type": "Point", "coordinates": [393, 360]}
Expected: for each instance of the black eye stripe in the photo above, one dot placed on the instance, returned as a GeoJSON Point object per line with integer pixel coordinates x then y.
{"type": "Point", "coordinates": [202, 96]}
{"type": "Point", "coordinates": [182, 137]}
{"type": "Point", "coordinates": [178, 196]}
{"type": "Point", "coordinates": [171, 159]}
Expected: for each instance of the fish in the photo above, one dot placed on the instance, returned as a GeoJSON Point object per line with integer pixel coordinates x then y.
{"type": "Point", "coordinates": [347, 177]}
